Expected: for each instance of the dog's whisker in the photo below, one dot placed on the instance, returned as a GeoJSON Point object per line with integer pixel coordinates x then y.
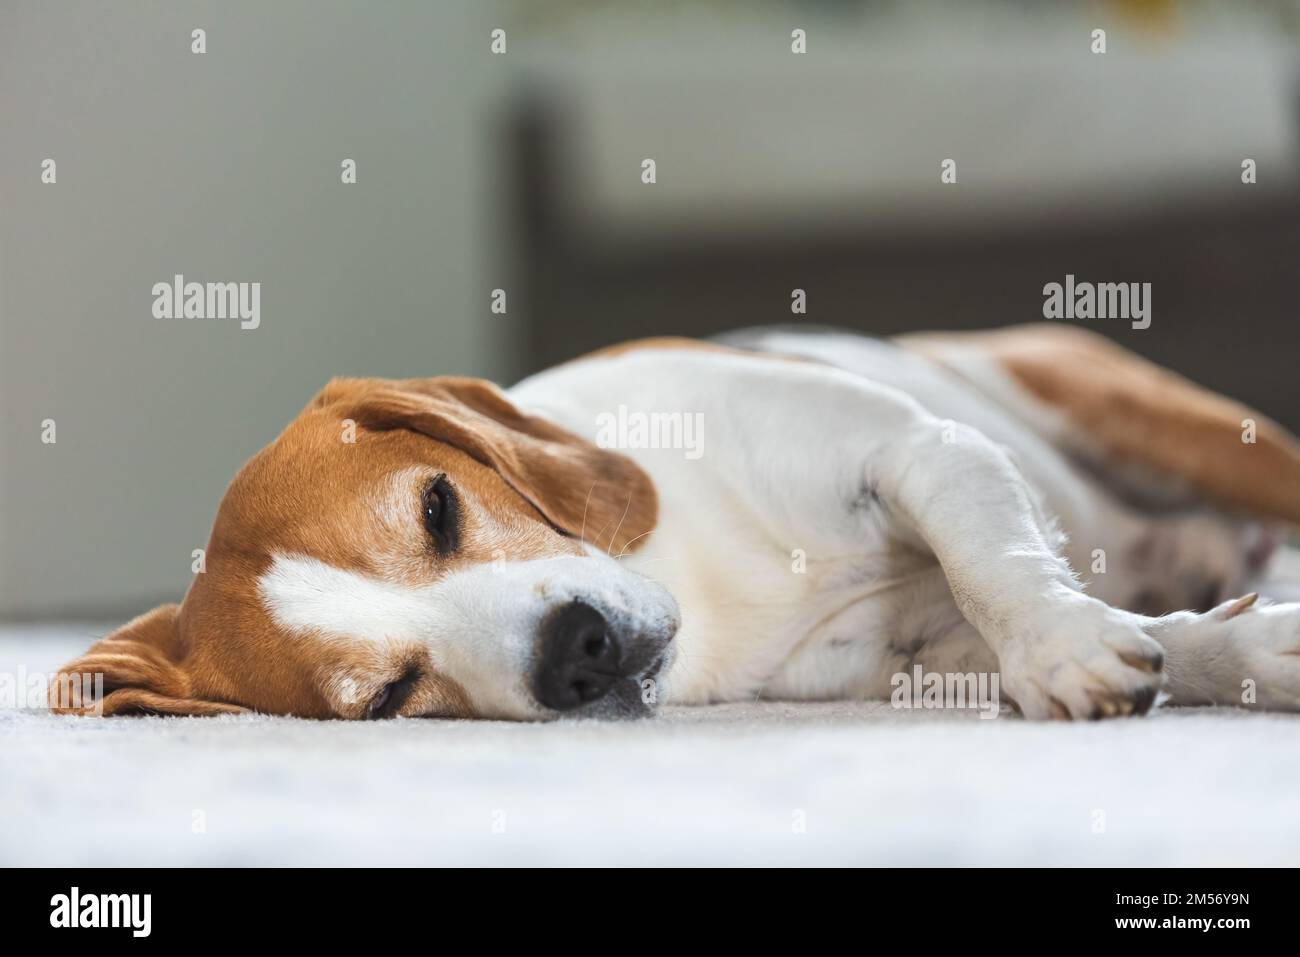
{"type": "Point", "coordinates": [613, 538]}
{"type": "Point", "coordinates": [582, 536]}
{"type": "Point", "coordinates": [599, 535]}
{"type": "Point", "coordinates": [633, 541]}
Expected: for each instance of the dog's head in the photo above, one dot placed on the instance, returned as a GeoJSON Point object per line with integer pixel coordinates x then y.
{"type": "Point", "coordinates": [419, 547]}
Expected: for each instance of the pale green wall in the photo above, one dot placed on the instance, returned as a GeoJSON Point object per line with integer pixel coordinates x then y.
{"type": "Point", "coordinates": [223, 166]}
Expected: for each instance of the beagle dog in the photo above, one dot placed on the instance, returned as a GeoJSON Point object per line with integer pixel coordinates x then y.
{"type": "Point", "coordinates": [1034, 502]}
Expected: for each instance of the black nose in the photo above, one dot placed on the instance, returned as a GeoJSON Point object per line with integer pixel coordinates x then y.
{"type": "Point", "coordinates": [579, 657]}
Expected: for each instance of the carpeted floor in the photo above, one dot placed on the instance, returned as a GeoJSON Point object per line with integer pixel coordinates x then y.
{"type": "Point", "coordinates": [739, 784]}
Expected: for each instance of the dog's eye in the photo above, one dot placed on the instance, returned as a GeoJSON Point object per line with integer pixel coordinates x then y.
{"type": "Point", "coordinates": [393, 695]}
{"type": "Point", "coordinates": [439, 509]}
{"type": "Point", "coordinates": [380, 701]}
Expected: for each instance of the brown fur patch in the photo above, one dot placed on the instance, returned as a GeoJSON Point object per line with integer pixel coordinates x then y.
{"type": "Point", "coordinates": [1137, 412]}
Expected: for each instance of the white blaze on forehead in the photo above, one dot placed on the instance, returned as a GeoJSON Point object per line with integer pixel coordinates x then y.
{"type": "Point", "coordinates": [304, 594]}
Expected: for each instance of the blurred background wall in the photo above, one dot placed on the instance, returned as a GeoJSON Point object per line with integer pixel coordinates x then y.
{"type": "Point", "coordinates": [522, 170]}
{"type": "Point", "coordinates": [224, 166]}
{"type": "Point", "coordinates": [821, 172]}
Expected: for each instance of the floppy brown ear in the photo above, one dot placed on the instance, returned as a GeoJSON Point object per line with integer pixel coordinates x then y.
{"type": "Point", "coordinates": [586, 491]}
{"type": "Point", "coordinates": [135, 670]}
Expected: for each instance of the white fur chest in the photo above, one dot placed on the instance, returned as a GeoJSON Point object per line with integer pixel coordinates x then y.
{"type": "Point", "coordinates": [762, 620]}
{"type": "Point", "coordinates": [771, 595]}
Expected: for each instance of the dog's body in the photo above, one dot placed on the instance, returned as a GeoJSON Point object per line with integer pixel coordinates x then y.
{"type": "Point", "coordinates": [850, 509]}
{"type": "Point", "coordinates": [801, 573]}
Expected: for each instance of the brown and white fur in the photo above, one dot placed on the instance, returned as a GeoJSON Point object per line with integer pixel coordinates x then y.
{"type": "Point", "coordinates": [857, 507]}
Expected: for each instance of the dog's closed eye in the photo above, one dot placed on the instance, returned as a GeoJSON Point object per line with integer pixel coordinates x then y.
{"type": "Point", "coordinates": [393, 695]}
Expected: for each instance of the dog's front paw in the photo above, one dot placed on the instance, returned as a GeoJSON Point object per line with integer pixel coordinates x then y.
{"type": "Point", "coordinates": [1080, 659]}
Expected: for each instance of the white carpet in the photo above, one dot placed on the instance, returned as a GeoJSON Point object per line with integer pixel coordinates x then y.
{"type": "Point", "coordinates": [722, 785]}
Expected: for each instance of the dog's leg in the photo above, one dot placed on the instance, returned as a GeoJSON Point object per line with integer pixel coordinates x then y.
{"type": "Point", "coordinates": [1062, 653]}
{"type": "Point", "coordinates": [1243, 653]}
{"type": "Point", "coordinates": [1246, 652]}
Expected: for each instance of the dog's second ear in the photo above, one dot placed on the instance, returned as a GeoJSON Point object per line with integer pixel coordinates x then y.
{"type": "Point", "coordinates": [586, 491]}
{"type": "Point", "coordinates": [135, 670]}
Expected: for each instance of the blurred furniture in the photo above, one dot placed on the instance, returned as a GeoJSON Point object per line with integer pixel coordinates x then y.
{"type": "Point", "coordinates": [600, 261]}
